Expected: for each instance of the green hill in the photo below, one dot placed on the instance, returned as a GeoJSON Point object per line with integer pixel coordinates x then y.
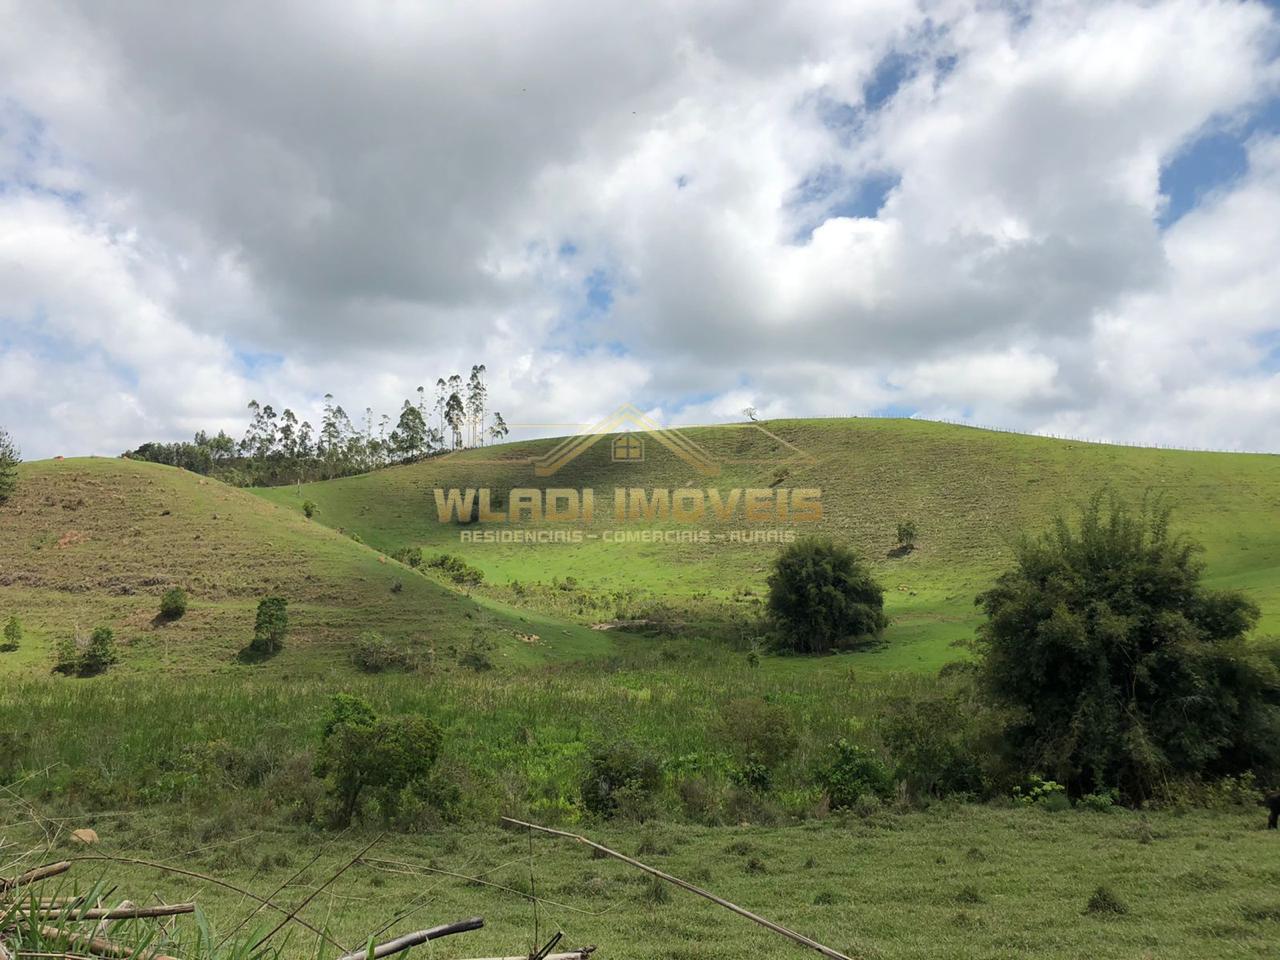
{"type": "Point", "coordinates": [970, 492]}
{"type": "Point", "coordinates": [97, 541]}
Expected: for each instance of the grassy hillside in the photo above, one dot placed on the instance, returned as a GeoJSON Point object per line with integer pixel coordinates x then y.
{"type": "Point", "coordinates": [970, 492]}
{"type": "Point", "coordinates": [96, 541]}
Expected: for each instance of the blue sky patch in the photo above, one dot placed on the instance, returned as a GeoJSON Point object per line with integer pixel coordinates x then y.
{"type": "Point", "coordinates": [889, 75]}
{"type": "Point", "coordinates": [256, 362]}
{"type": "Point", "coordinates": [1215, 159]}
{"type": "Point", "coordinates": [599, 289]}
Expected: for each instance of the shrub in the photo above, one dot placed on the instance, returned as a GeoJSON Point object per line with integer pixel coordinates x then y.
{"type": "Point", "coordinates": [1104, 900]}
{"type": "Point", "coordinates": [361, 753]}
{"type": "Point", "coordinates": [99, 653]}
{"type": "Point", "coordinates": [1122, 669]}
{"type": "Point", "coordinates": [907, 534]}
{"type": "Point", "coordinates": [1038, 790]}
{"type": "Point", "coordinates": [173, 604]}
{"type": "Point", "coordinates": [310, 508]}
{"type": "Point", "coordinates": [476, 658]}
{"type": "Point", "coordinates": [271, 625]}
{"type": "Point", "coordinates": [456, 569]}
{"type": "Point", "coordinates": [373, 654]}
{"type": "Point", "coordinates": [1100, 801]}
{"type": "Point", "coordinates": [67, 653]}
{"type": "Point", "coordinates": [822, 598]}
{"type": "Point", "coordinates": [852, 773]}
{"type": "Point", "coordinates": [409, 556]}
{"type": "Point", "coordinates": [12, 634]}
{"type": "Point", "coordinates": [937, 739]}
{"type": "Point", "coordinates": [9, 460]}
{"type": "Point", "coordinates": [619, 771]}
{"type": "Point", "coordinates": [753, 774]}
{"type": "Point", "coordinates": [760, 735]}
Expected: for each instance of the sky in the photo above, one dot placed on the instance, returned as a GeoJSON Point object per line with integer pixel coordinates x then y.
{"type": "Point", "coordinates": [1060, 218]}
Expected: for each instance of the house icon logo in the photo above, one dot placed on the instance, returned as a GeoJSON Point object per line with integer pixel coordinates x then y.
{"type": "Point", "coordinates": [626, 447]}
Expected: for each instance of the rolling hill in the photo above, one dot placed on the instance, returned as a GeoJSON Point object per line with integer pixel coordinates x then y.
{"type": "Point", "coordinates": [970, 492]}
{"type": "Point", "coordinates": [96, 541]}
{"type": "Point", "coordinates": [90, 541]}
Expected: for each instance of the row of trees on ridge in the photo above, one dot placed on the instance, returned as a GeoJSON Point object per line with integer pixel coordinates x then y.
{"type": "Point", "coordinates": [279, 448]}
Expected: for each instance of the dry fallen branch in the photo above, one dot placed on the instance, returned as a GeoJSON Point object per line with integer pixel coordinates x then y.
{"type": "Point", "coordinates": [98, 946]}
{"type": "Point", "coordinates": [582, 953]}
{"type": "Point", "coordinates": [413, 939]}
{"type": "Point", "coordinates": [121, 912]}
{"type": "Point", "coordinates": [221, 883]}
{"type": "Point", "coordinates": [777, 928]}
{"type": "Point", "coordinates": [37, 874]}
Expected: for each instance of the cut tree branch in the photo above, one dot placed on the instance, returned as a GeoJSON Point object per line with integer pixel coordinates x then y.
{"type": "Point", "coordinates": [413, 939]}
{"type": "Point", "coordinates": [777, 928]}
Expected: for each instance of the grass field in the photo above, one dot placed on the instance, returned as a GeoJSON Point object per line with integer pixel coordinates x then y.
{"type": "Point", "coordinates": [185, 754]}
{"type": "Point", "coordinates": [955, 881]}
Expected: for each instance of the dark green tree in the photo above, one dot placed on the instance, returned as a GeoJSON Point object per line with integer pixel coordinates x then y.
{"type": "Point", "coordinates": [499, 429]}
{"type": "Point", "coordinates": [270, 626]}
{"type": "Point", "coordinates": [409, 438]}
{"type": "Point", "coordinates": [823, 598]}
{"type": "Point", "coordinates": [1120, 666]}
{"type": "Point", "coordinates": [907, 534]}
{"type": "Point", "coordinates": [361, 753]}
{"type": "Point", "coordinates": [100, 652]}
{"type": "Point", "coordinates": [9, 460]}
{"type": "Point", "coordinates": [173, 605]}
{"type": "Point", "coordinates": [12, 634]}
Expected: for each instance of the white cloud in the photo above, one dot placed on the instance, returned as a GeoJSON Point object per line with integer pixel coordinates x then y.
{"type": "Point", "coordinates": [381, 194]}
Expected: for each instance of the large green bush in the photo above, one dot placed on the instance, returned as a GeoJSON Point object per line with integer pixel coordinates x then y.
{"type": "Point", "coordinates": [1121, 667]}
{"type": "Point", "coordinates": [361, 754]}
{"type": "Point", "coordinates": [823, 598]}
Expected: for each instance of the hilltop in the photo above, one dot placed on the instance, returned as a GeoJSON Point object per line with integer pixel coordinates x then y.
{"type": "Point", "coordinates": [97, 541]}
{"type": "Point", "coordinates": [89, 541]}
{"type": "Point", "coordinates": [971, 493]}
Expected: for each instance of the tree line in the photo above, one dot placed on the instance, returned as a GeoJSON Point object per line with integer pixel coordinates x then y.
{"type": "Point", "coordinates": [279, 448]}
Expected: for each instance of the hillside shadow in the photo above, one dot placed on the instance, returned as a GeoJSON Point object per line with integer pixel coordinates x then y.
{"type": "Point", "coordinates": [248, 655]}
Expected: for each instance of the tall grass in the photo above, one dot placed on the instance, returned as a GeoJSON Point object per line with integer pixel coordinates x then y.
{"type": "Point", "coordinates": [511, 739]}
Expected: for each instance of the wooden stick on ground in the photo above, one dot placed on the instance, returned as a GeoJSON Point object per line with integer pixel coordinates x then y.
{"type": "Point", "coordinates": [122, 912]}
{"type": "Point", "coordinates": [39, 873]}
{"type": "Point", "coordinates": [777, 928]}
{"type": "Point", "coordinates": [99, 946]}
{"type": "Point", "coordinates": [221, 883]}
{"type": "Point", "coordinates": [582, 953]}
{"type": "Point", "coordinates": [413, 939]}
{"type": "Point", "coordinates": [104, 923]}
